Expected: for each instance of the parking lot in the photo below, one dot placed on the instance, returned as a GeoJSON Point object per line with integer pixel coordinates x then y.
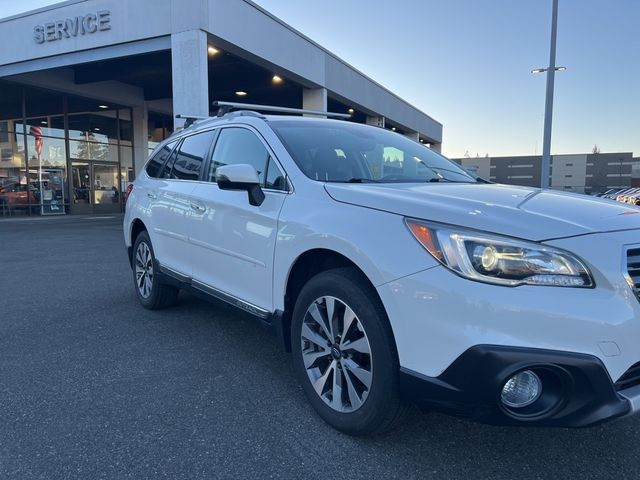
{"type": "Point", "coordinates": [94, 386]}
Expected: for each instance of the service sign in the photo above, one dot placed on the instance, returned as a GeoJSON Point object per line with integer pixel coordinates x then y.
{"type": "Point", "coordinates": [72, 27]}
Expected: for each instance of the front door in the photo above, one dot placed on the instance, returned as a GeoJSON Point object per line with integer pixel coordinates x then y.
{"type": "Point", "coordinates": [95, 187]}
{"type": "Point", "coordinates": [233, 242]}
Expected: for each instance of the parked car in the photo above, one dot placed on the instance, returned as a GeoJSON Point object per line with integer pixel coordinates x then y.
{"type": "Point", "coordinates": [624, 198]}
{"type": "Point", "coordinates": [607, 193]}
{"type": "Point", "coordinates": [611, 194]}
{"type": "Point", "coordinates": [504, 304]}
{"type": "Point", "coordinates": [633, 198]}
{"type": "Point", "coordinates": [16, 195]}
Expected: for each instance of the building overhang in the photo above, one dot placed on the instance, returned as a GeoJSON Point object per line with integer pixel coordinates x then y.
{"type": "Point", "coordinates": [70, 33]}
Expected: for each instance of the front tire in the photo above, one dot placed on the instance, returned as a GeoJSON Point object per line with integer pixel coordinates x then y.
{"type": "Point", "coordinates": [151, 292]}
{"type": "Point", "coordinates": [344, 353]}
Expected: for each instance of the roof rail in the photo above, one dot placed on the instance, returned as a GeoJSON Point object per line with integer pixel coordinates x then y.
{"type": "Point", "coordinates": [226, 107]}
{"type": "Point", "coordinates": [190, 119]}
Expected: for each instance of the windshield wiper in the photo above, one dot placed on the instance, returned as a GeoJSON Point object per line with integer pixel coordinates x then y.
{"type": "Point", "coordinates": [440, 177]}
{"type": "Point", "coordinates": [360, 180]}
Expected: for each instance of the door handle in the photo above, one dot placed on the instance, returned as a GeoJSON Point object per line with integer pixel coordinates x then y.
{"type": "Point", "coordinates": [152, 195]}
{"type": "Point", "coordinates": [198, 207]}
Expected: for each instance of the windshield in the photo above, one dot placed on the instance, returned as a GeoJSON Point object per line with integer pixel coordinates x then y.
{"type": "Point", "coordinates": [335, 151]}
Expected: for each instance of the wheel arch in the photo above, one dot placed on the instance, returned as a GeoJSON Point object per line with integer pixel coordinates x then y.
{"type": "Point", "coordinates": [307, 265]}
{"type": "Point", "coordinates": [137, 226]}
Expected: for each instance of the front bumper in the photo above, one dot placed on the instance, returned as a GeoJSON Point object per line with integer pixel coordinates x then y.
{"type": "Point", "coordinates": [576, 388]}
{"type": "Point", "coordinates": [436, 315]}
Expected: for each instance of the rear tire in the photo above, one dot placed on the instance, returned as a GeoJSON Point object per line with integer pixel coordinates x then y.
{"type": "Point", "coordinates": [152, 293]}
{"type": "Point", "coordinates": [344, 353]}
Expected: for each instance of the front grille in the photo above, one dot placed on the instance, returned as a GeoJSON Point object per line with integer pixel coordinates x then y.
{"type": "Point", "coordinates": [633, 268]}
{"type": "Point", "coordinates": [631, 378]}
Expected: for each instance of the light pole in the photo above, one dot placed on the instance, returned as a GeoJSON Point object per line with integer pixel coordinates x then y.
{"type": "Point", "coordinates": [548, 108]}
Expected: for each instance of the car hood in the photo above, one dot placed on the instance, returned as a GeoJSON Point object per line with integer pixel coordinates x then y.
{"type": "Point", "coordinates": [527, 213]}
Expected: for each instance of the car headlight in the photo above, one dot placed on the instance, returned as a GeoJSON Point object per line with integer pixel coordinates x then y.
{"type": "Point", "coordinates": [499, 260]}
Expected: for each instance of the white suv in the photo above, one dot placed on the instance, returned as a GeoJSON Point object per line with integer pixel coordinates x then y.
{"type": "Point", "coordinates": [392, 274]}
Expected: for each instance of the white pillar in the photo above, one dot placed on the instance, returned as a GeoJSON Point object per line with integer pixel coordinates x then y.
{"type": "Point", "coordinates": [314, 99]}
{"type": "Point", "coordinates": [140, 122]}
{"type": "Point", "coordinates": [189, 74]}
{"type": "Point", "coordinates": [415, 136]}
{"type": "Point", "coordinates": [376, 121]}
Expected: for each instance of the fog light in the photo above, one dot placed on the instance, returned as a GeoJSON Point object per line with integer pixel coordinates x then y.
{"type": "Point", "coordinates": [521, 390]}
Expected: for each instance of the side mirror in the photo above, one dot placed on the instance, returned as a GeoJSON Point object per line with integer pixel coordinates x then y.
{"type": "Point", "coordinates": [241, 177]}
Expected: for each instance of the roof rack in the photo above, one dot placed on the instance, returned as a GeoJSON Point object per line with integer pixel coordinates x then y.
{"type": "Point", "coordinates": [190, 119]}
{"type": "Point", "coordinates": [226, 107]}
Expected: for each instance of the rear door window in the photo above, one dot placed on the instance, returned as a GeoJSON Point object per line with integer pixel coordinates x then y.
{"type": "Point", "coordinates": [191, 154]}
{"type": "Point", "coordinates": [154, 165]}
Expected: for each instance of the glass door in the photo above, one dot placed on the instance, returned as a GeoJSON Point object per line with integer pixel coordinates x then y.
{"type": "Point", "coordinates": [106, 188]}
{"type": "Point", "coordinates": [96, 187]}
{"type": "Point", "coordinates": [81, 187]}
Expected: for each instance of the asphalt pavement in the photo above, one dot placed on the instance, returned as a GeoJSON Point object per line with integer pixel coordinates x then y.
{"type": "Point", "coordinates": [93, 386]}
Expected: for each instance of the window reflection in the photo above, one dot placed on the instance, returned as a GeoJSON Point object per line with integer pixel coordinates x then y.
{"type": "Point", "coordinates": [34, 153]}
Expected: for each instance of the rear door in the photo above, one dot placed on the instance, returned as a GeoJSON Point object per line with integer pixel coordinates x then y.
{"type": "Point", "coordinates": [233, 241]}
{"type": "Point", "coordinates": [173, 204]}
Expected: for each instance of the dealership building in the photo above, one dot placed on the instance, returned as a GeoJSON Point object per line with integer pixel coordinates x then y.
{"type": "Point", "coordinates": [89, 87]}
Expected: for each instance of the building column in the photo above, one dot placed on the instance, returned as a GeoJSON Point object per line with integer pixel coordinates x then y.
{"type": "Point", "coordinates": [189, 75]}
{"type": "Point", "coordinates": [314, 99]}
{"type": "Point", "coordinates": [376, 121]}
{"type": "Point", "coordinates": [415, 136]}
{"type": "Point", "coordinates": [140, 122]}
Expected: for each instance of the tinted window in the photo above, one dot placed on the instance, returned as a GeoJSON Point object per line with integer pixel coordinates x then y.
{"type": "Point", "coordinates": [155, 163]}
{"type": "Point", "coordinates": [235, 146]}
{"type": "Point", "coordinates": [275, 178]}
{"type": "Point", "coordinates": [165, 172]}
{"type": "Point", "coordinates": [190, 156]}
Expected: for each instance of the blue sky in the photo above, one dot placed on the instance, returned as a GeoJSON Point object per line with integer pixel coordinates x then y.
{"type": "Point", "coordinates": [467, 63]}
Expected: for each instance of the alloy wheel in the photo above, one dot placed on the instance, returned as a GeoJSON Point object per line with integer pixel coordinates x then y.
{"type": "Point", "coordinates": [144, 269]}
{"type": "Point", "coordinates": [336, 354]}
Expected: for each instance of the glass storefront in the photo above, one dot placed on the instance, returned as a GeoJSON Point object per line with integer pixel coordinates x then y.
{"type": "Point", "coordinates": [61, 153]}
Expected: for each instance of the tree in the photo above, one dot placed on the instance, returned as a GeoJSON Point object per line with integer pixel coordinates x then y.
{"type": "Point", "coordinates": [595, 149]}
{"type": "Point", "coordinates": [88, 150]}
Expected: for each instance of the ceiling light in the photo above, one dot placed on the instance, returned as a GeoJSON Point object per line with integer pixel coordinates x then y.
{"type": "Point", "coordinates": [421, 140]}
{"type": "Point", "coordinates": [96, 129]}
{"type": "Point", "coordinates": [43, 122]}
{"type": "Point", "coordinates": [393, 128]}
{"type": "Point", "coordinates": [211, 50]}
{"type": "Point", "coordinates": [276, 79]}
{"type": "Point", "coordinates": [103, 106]}
{"type": "Point", "coordinates": [240, 93]}
{"type": "Point", "coordinates": [351, 110]}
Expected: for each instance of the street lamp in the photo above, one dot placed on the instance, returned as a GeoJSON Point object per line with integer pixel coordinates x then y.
{"type": "Point", "coordinates": [548, 108]}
